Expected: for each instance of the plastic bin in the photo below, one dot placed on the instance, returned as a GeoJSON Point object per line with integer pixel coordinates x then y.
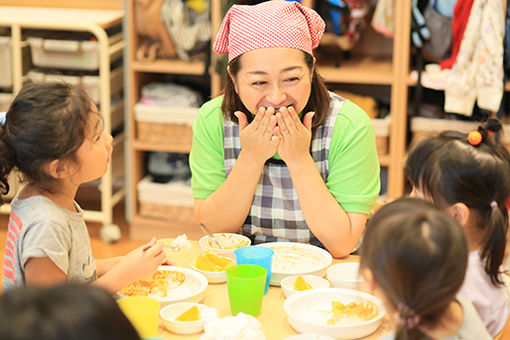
{"type": "Point", "coordinates": [168, 201]}
{"type": "Point", "coordinates": [90, 84]}
{"type": "Point", "coordinates": [164, 124]}
{"type": "Point", "coordinates": [423, 128]}
{"type": "Point", "coordinates": [66, 54]}
{"type": "Point", "coordinates": [382, 133]}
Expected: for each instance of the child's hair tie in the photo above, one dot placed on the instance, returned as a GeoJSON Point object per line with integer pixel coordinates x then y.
{"type": "Point", "coordinates": [475, 137]}
{"type": "Point", "coordinates": [406, 316]}
{"type": "Point", "coordinates": [494, 204]}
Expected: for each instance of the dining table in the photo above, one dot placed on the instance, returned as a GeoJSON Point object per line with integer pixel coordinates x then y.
{"type": "Point", "coordinates": [272, 317]}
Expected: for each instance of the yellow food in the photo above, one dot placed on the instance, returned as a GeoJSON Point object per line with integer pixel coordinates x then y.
{"type": "Point", "coordinates": [158, 284]}
{"type": "Point", "coordinates": [192, 314]}
{"type": "Point", "coordinates": [301, 284]}
{"type": "Point", "coordinates": [352, 312]}
{"type": "Point", "coordinates": [212, 263]}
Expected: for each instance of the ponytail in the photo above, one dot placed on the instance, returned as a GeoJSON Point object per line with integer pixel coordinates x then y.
{"type": "Point", "coordinates": [495, 243]}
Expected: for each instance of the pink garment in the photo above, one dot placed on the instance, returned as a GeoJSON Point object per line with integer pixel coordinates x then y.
{"type": "Point", "coordinates": [274, 23]}
{"type": "Point", "coordinates": [491, 302]}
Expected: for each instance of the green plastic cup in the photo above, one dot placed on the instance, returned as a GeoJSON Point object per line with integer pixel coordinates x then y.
{"type": "Point", "coordinates": [246, 283]}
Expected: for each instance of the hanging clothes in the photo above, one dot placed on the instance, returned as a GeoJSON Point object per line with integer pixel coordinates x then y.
{"type": "Point", "coordinates": [477, 74]}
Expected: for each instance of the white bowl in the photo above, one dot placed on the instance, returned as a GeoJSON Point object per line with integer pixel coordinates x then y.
{"type": "Point", "coordinates": [293, 258]}
{"type": "Point", "coordinates": [229, 241]}
{"type": "Point", "coordinates": [212, 277]}
{"type": "Point", "coordinates": [313, 280]}
{"type": "Point", "coordinates": [345, 275]}
{"type": "Point", "coordinates": [169, 313]}
{"type": "Point", "coordinates": [309, 337]}
{"type": "Point", "coordinates": [306, 313]}
{"type": "Point", "coordinates": [191, 290]}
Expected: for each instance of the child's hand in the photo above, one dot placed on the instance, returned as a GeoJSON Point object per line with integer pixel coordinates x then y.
{"type": "Point", "coordinates": [143, 261]}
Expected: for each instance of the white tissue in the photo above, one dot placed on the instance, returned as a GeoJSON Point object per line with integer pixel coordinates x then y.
{"type": "Point", "coordinates": [181, 242]}
{"type": "Point", "coordinates": [239, 327]}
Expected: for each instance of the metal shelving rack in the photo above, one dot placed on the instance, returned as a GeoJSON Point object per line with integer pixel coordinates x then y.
{"type": "Point", "coordinates": [84, 20]}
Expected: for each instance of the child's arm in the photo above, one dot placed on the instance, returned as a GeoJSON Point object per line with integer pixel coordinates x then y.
{"type": "Point", "coordinates": [138, 264]}
{"type": "Point", "coordinates": [42, 271]}
{"type": "Point", "coordinates": [104, 265]}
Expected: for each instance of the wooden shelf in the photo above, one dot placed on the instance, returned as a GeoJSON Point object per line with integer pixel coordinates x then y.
{"type": "Point", "coordinates": [365, 70]}
{"type": "Point", "coordinates": [170, 66]}
{"type": "Point", "coordinates": [160, 146]}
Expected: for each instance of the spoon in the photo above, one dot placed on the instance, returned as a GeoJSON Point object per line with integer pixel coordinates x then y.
{"type": "Point", "coordinates": [211, 236]}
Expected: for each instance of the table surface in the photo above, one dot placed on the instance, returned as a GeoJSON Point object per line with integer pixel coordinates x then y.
{"type": "Point", "coordinates": [272, 317]}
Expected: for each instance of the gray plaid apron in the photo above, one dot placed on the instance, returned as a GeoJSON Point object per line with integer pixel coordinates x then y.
{"type": "Point", "coordinates": [275, 213]}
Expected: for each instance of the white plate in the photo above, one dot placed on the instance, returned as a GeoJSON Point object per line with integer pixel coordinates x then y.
{"type": "Point", "coordinates": [293, 258]}
{"type": "Point", "coordinates": [191, 290]}
{"type": "Point", "coordinates": [307, 312]}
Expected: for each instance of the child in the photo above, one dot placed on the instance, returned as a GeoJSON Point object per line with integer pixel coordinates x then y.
{"type": "Point", "coordinates": [468, 177]}
{"type": "Point", "coordinates": [62, 312]}
{"type": "Point", "coordinates": [414, 258]}
{"type": "Point", "coordinates": [52, 134]}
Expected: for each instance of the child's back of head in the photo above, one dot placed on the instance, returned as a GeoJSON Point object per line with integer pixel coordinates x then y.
{"type": "Point", "coordinates": [45, 122]}
{"type": "Point", "coordinates": [417, 255]}
{"type": "Point", "coordinates": [470, 169]}
{"type": "Point", "coordinates": [63, 312]}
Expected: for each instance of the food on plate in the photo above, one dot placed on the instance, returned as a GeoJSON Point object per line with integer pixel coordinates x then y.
{"type": "Point", "coordinates": [213, 263]}
{"type": "Point", "coordinates": [301, 284]}
{"type": "Point", "coordinates": [352, 312]}
{"type": "Point", "coordinates": [228, 241]}
{"type": "Point", "coordinates": [158, 284]}
{"type": "Point", "coordinates": [192, 314]}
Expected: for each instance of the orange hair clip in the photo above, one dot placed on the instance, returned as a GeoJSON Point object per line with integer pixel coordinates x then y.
{"type": "Point", "coordinates": [475, 138]}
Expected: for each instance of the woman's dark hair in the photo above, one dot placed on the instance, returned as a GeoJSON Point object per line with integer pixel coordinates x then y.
{"type": "Point", "coordinates": [418, 256]}
{"type": "Point", "coordinates": [319, 97]}
{"type": "Point", "coordinates": [63, 312]}
{"type": "Point", "coordinates": [44, 122]}
{"type": "Point", "coordinates": [449, 169]}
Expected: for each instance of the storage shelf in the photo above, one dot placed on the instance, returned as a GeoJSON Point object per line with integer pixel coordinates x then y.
{"type": "Point", "coordinates": [364, 70]}
{"type": "Point", "coordinates": [170, 66]}
{"type": "Point", "coordinates": [158, 146]}
{"type": "Point", "coordinates": [108, 48]}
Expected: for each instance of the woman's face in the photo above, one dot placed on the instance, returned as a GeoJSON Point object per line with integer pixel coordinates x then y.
{"type": "Point", "coordinates": [273, 77]}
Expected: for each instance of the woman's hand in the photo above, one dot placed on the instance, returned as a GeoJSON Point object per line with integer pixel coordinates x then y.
{"type": "Point", "coordinates": [257, 138]}
{"type": "Point", "coordinates": [295, 137]}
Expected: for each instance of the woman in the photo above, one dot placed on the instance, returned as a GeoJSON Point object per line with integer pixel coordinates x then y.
{"type": "Point", "coordinates": [277, 155]}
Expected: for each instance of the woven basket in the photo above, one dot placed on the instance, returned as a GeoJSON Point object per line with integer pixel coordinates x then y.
{"type": "Point", "coordinates": [166, 212]}
{"type": "Point", "coordinates": [164, 132]}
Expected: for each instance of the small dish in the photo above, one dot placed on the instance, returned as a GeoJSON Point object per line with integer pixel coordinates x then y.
{"type": "Point", "coordinates": [169, 314]}
{"type": "Point", "coordinates": [219, 276]}
{"type": "Point", "coordinates": [229, 241]}
{"type": "Point", "coordinates": [313, 280]}
{"type": "Point", "coordinates": [345, 275]}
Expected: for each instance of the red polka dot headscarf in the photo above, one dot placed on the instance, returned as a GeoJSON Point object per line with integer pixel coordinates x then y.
{"type": "Point", "coordinates": [274, 23]}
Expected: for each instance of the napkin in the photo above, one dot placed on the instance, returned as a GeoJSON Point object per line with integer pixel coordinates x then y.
{"type": "Point", "coordinates": [239, 327]}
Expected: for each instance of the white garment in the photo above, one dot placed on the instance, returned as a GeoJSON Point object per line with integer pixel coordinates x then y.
{"type": "Point", "coordinates": [491, 302]}
{"type": "Point", "coordinates": [477, 74]}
